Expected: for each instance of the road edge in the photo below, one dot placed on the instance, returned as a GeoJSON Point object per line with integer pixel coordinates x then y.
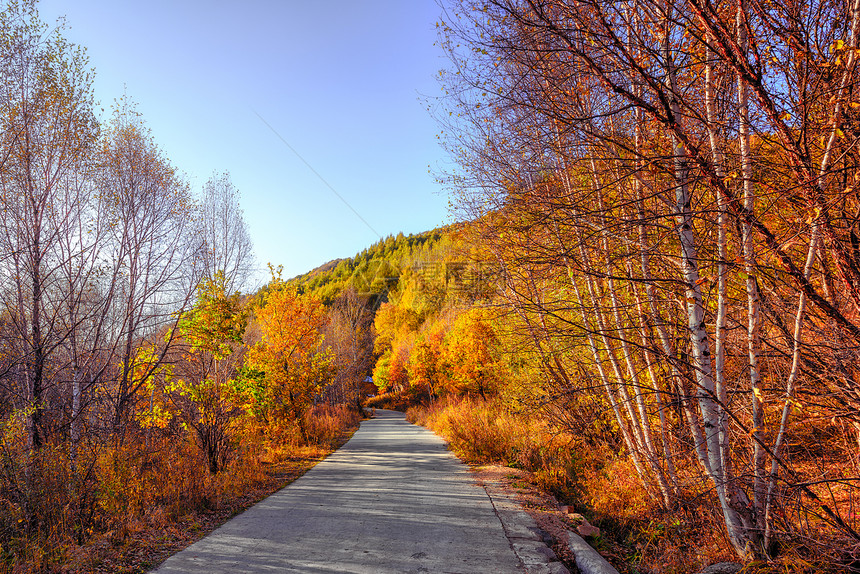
{"type": "Point", "coordinates": [530, 543]}
{"type": "Point", "coordinates": [527, 540]}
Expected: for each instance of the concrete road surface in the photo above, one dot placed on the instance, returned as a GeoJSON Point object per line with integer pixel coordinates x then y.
{"type": "Point", "coordinates": [393, 499]}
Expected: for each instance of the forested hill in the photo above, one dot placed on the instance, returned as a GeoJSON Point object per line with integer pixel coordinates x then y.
{"type": "Point", "coordinates": [422, 294]}
{"type": "Point", "coordinates": [378, 269]}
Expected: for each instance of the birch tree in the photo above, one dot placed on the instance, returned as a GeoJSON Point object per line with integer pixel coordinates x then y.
{"type": "Point", "coordinates": [226, 244]}
{"type": "Point", "coordinates": [48, 130]}
{"type": "Point", "coordinates": [151, 250]}
{"type": "Point", "coordinates": [631, 144]}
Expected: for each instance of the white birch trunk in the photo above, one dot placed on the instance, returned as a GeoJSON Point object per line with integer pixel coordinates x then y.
{"type": "Point", "coordinates": [738, 526]}
{"type": "Point", "coordinates": [753, 298]}
{"type": "Point", "coordinates": [645, 341]}
{"type": "Point", "coordinates": [640, 424]}
{"type": "Point", "coordinates": [789, 387]}
{"type": "Point", "coordinates": [722, 259]}
{"type": "Point", "coordinates": [607, 387]}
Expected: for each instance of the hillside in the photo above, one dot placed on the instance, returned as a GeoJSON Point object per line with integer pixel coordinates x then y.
{"type": "Point", "coordinates": [377, 270]}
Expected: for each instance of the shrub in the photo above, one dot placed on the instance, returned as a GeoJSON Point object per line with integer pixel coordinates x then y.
{"type": "Point", "coordinates": [325, 424]}
{"type": "Point", "coordinates": [483, 431]}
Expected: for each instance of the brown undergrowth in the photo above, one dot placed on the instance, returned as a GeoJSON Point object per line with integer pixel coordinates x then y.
{"type": "Point", "coordinates": [637, 535]}
{"type": "Point", "coordinates": [152, 497]}
{"type": "Point", "coordinates": [394, 401]}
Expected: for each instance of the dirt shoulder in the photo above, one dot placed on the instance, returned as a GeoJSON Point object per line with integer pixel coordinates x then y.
{"type": "Point", "coordinates": [543, 508]}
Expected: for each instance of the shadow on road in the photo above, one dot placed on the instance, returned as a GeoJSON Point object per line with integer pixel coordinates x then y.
{"type": "Point", "coordinates": [393, 499]}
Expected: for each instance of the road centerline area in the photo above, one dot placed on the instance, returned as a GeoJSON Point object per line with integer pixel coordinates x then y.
{"type": "Point", "coordinates": [393, 499]}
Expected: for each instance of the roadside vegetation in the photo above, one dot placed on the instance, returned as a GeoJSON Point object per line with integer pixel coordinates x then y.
{"type": "Point", "coordinates": [665, 193]}
{"type": "Point", "coordinates": [145, 393]}
{"type": "Point", "coordinates": [456, 354]}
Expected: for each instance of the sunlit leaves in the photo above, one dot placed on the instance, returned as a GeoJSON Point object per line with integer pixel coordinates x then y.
{"type": "Point", "coordinates": [291, 357]}
{"type": "Point", "coordinates": [217, 321]}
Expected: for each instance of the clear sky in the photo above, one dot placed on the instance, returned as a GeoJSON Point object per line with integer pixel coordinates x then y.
{"type": "Point", "coordinates": [341, 81]}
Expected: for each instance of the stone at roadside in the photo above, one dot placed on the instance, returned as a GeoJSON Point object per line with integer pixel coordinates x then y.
{"type": "Point", "coordinates": [587, 530]}
{"type": "Point", "coordinates": [573, 514]}
{"type": "Point", "coordinates": [588, 560]}
{"type": "Point", "coordinates": [723, 568]}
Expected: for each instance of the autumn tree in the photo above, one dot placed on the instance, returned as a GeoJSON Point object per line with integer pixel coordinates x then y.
{"type": "Point", "coordinates": [48, 131]}
{"type": "Point", "coordinates": [396, 379]}
{"type": "Point", "coordinates": [294, 363]}
{"type": "Point", "coordinates": [349, 333]}
{"type": "Point", "coordinates": [151, 247]}
{"type": "Point", "coordinates": [425, 361]}
{"type": "Point", "coordinates": [391, 322]}
{"type": "Point", "coordinates": [213, 330]}
{"type": "Point", "coordinates": [471, 355]}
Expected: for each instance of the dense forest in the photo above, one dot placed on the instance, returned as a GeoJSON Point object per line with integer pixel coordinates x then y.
{"type": "Point", "coordinates": [458, 345]}
{"type": "Point", "coordinates": [667, 194]}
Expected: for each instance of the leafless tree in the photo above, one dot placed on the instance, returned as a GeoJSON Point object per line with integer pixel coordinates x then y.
{"type": "Point", "coordinates": [150, 254]}
{"type": "Point", "coordinates": [226, 245]}
{"type": "Point", "coordinates": [48, 131]}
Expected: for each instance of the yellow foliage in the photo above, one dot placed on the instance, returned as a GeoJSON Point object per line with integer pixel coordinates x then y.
{"type": "Point", "coordinates": [291, 355]}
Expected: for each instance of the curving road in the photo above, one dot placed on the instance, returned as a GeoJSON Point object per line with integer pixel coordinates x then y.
{"type": "Point", "coordinates": [393, 499]}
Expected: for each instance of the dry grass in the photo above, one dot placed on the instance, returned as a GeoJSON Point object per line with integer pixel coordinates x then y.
{"type": "Point", "coordinates": [125, 509]}
{"type": "Point", "coordinates": [143, 543]}
{"type": "Point", "coordinates": [325, 424]}
{"type": "Point", "coordinates": [637, 534]}
{"type": "Point", "coordinates": [482, 431]}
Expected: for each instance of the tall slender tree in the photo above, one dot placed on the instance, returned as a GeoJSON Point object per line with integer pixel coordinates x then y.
{"type": "Point", "coordinates": [150, 255]}
{"type": "Point", "coordinates": [48, 131]}
{"type": "Point", "coordinates": [226, 244]}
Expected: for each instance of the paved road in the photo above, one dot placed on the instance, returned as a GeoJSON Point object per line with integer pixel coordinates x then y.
{"type": "Point", "coordinates": [393, 499]}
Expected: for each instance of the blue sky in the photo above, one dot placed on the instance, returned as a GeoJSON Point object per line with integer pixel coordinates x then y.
{"type": "Point", "coordinates": [341, 81]}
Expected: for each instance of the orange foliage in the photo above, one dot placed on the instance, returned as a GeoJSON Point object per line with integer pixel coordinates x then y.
{"type": "Point", "coordinates": [425, 366]}
{"type": "Point", "coordinates": [392, 323]}
{"type": "Point", "coordinates": [291, 355]}
{"type": "Point", "coordinates": [398, 373]}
